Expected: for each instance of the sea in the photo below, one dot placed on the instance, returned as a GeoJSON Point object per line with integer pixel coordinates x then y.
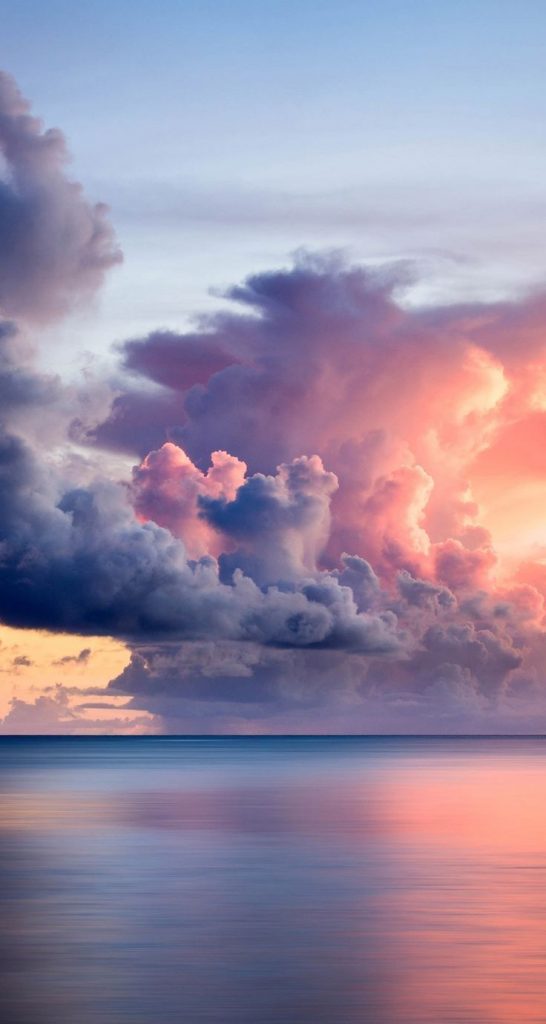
{"type": "Point", "coordinates": [254, 880]}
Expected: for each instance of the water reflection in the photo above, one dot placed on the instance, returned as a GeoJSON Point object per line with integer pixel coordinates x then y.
{"type": "Point", "coordinates": [257, 881]}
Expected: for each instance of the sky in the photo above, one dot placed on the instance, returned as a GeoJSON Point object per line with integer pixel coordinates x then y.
{"type": "Point", "coordinates": [272, 321]}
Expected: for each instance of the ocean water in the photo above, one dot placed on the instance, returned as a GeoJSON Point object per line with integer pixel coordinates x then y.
{"type": "Point", "coordinates": [258, 881]}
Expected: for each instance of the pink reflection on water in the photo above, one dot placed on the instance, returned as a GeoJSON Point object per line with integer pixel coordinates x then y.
{"type": "Point", "coordinates": [466, 924]}
{"type": "Point", "coordinates": [397, 886]}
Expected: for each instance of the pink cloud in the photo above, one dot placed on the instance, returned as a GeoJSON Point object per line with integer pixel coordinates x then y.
{"type": "Point", "coordinates": [349, 488]}
{"type": "Point", "coordinates": [166, 488]}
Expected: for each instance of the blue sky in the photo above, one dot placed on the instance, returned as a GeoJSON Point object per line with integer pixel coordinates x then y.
{"type": "Point", "coordinates": [226, 134]}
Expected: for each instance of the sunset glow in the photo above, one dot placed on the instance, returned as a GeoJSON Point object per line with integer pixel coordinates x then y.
{"type": "Point", "coordinates": [274, 430]}
{"type": "Point", "coordinates": [273, 512]}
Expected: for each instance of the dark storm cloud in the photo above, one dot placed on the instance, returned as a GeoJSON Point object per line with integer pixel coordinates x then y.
{"type": "Point", "coordinates": [81, 561]}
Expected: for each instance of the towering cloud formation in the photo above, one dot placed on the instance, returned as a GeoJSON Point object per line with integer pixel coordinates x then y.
{"type": "Point", "coordinates": [419, 413]}
{"type": "Point", "coordinates": [335, 520]}
{"type": "Point", "coordinates": [407, 409]}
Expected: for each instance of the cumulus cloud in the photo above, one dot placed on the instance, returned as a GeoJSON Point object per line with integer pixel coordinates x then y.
{"type": "Point", "coordinates": [44, 715]}
{"type": "Point", "coordinates": [54, 714]}
{"type": "Point", "coordinates": [400, 403]}
{"type": "Point", "coordinates": [81, 561]}
{"type": "Point", "coordinates": [280, 523]}
{"type": "Point", "coordinates": [322, 528]}
{"type": "Point", "coordinates": [55, 246]}
{"type": "Point", "coordinates": [423, 593]}
{"type": "Point", "coordinates": [167, 487]}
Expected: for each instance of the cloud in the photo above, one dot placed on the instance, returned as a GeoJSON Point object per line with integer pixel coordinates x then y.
{"type": "Point", "coordinates": [55, 714]}
{"type": "Point", "coordinates": [373, 545]}
{"type": "Point", "coordinates": [280, 523]}
{"type": "Point", "coordinates": [21, 387]}
{"type": "Point", "coordinates": [222, 688]}
{"type": "Point", "coordinates": [21, 661]}
{"type": "Point", "coordinates": [44, 715]}
{"type": "Point", "coordinates": [423, 593]}
{"type": "Point", "coordinates": [336, 512]}
{"type": "Point", "coordinates": [167, 487]}
{"type": "Point", "coordinates": [462, 569]}
{"type": "Point", "coordinates": [55, 246]}
{"type": "Point", "coordinates": [75, 659]}
{"type": "Point", "coordinates": [174, 360]}
{"type": "Point", "coordinates": [225, 687]}
{"type": "Point", "coordinates": [81, 561]}
{"type": "Point", "coordinates": [325, 358]}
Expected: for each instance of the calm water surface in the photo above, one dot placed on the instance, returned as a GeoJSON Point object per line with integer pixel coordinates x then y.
{"type": "Point", "coordinates": [257, 881]}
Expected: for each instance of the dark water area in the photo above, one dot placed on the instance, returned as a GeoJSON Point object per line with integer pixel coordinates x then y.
{"type": "Point", "coordinates": [257, 881]}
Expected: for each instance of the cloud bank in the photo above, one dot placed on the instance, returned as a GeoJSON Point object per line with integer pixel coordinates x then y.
{"type": "Point", "coordinates": [331, 514]}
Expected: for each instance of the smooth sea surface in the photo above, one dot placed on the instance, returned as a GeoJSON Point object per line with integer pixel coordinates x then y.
{"type": "Point", "coordinates": [260, 881]}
